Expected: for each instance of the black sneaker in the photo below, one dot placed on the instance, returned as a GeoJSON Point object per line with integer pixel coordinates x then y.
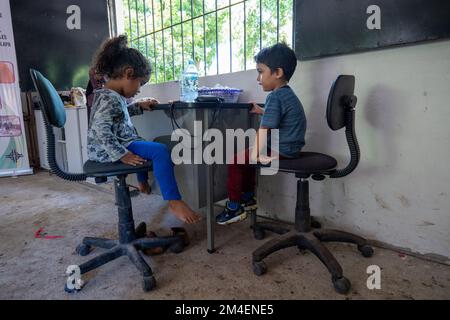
{"type": "Point", "coordinates": [229, 216]}
{"type": "Point", "coordinates": [249, 205]}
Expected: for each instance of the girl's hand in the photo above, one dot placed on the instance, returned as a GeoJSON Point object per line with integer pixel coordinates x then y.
{"type": "Point", "coordinates": [148, 103]}
{"type": "Point", "coordinates": [256, 109]}
{"type": "Point", "coordinates": [132, 159]}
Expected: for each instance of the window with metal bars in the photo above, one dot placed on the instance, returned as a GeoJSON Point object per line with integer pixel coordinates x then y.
{"type": "Point", "coordinates": [220, 36]}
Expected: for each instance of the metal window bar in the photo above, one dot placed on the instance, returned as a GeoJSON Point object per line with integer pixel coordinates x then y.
{"type": "Point", "coordinates": [190, 19]}
{"type": "Point", "coordinates": [129, 20]}
{"type": "Point", "coordinates": [231, 40]}
{"type": "Point", "coordinates": [154, 40]}
{"type": "Point", "coordinates": [217, 44]}
{"type": "Point", "coordinates": [171, 33]}
{"type": "Point", "coordinates": [245, 35]}
{"type": "Point", "coordinates": [138, 36]}
{"type": "Point", "coordinates": [112, 18]}
{"type": "Point", "coordinates": [293, 26]}
{"type": "Point", "coordinates": [182, 36]}
{"type": "Point", "coordinates": [204, 37]}
{"type": "Point", "coordinates": [278, 21]}
{"type": "Point", "coordinates": [137, 22]}
{"type": "Point", "coordinates": [192, 26]}
{"type": "Point", "coordinates": [162, 38]}
{"type": "Point", "coordinates": [145, 28]}
{"type": "Point", "coordinates": [260, 24]}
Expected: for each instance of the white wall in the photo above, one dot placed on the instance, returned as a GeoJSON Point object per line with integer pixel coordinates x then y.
{"type": "Point", "coordinates": [399, 194]}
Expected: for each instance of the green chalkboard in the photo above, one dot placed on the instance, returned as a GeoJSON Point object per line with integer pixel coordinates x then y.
{"type": "Point", "coordinates": [44, 41]}
{"type": "Point", "coordinates": [331, 27]}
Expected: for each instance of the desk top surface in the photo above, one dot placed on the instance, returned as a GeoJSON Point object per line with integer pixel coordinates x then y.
{"type": "Point", "coordinates": [203, 105]}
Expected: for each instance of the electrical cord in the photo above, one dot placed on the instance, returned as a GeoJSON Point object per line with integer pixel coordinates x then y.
{"type": "Point", "coordinates": [172, 116]}
{"type": "Point", "coordinates": [215, 115]}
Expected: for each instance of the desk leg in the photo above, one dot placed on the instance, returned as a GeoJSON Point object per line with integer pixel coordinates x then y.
{"type": "Point", "coordinates": [250, 124]}
{"type": "Point", "coordinates": [210, 218]}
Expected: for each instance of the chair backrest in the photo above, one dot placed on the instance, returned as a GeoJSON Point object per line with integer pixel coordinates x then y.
{"type": "Point", "coordinates": [339, 101]}
{"type": "Point", "coordinates": [341, 113]}
{"type": "Point", "coordinates": [51, 104]}
{"type": "Point", "coordinates": [54, 115]}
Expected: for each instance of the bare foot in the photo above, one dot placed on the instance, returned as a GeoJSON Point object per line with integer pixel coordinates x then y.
{"type": "Point", "coordinates": [144, 187]}
{"type": "Point", "coordinates": [182, 211]}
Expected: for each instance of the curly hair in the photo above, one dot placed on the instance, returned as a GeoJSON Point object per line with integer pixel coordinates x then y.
{"type": "Point", "coordinates": [114, 57]}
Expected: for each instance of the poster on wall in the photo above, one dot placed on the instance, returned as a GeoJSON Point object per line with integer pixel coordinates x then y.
{"type": "Point", "coordinates": [13, 147]}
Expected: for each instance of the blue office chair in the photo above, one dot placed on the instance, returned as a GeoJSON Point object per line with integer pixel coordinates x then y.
{"type": "Point", "coordinates": [131, 240]}
{"type": "Point", "coordinates": [340, 113]}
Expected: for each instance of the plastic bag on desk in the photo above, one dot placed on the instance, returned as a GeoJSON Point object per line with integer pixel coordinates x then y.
{"type": "Point", "coordinates": [78, 96]}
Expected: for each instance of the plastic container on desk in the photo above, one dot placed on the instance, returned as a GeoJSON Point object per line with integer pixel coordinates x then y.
{"type": "Point", "coordinates": [229, 95]}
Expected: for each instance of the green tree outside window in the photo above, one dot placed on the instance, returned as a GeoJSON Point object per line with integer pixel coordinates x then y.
{"type": "Point", "coordinates": [170, 32]}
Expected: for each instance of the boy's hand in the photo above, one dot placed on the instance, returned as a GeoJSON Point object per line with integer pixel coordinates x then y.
{"type": "Point", "coordinates": [132, 159]}
{"type": "Point", "coordinates": [256, 109]}
{"type": "Point", "coordinates": [148, 103]}
{"type": "Point", "coordinates": [254, 158]}
{"type": "Point", "coordinates": [266, 159]}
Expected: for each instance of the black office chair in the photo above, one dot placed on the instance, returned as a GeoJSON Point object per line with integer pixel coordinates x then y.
{"type": "Point", "coordinates": [340, 113]}
{"type": "Point", "coordinates": [131, 239]}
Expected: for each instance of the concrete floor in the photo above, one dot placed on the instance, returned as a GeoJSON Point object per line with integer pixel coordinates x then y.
{"type": "Point", "coordinates": [34, 268]}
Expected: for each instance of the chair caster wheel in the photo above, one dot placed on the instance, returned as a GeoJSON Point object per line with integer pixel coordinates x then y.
{"type": "Point", "coordinates": [259, 234]}
{"type": "Point", "coordinates": [259, 268]}
{"type": "Point", "coordinates": [342, 285]}
{"type": "Point", "coordinates": [141, 230]}
{"type": "Point", "coordinates": [315, 224]}
{"type": "Point", "coordinates": [177, 247]}
{"type": "Point", "coordinates": [148, 283]}
{"type": "Point", "coordinates": [66, 289]}
{"type": "Point", "coordinates": [83, 249]}
{"type": "Point", "coordinates": [366, 251]}
{"type": "Point", "coordinates": [182, 233]}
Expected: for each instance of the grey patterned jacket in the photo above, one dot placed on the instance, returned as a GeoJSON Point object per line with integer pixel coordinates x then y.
{"type": "Point", "coordinates": [110, 128]}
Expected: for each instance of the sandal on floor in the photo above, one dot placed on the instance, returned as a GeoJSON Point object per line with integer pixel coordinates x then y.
{"type": "Point", "coordinates": [181, 232]}
{"type": "Point", "coordinates": [155, 250]}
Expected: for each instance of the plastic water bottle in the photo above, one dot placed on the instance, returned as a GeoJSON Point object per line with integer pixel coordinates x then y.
{"type": "Point", "coordinates": [189, 83]}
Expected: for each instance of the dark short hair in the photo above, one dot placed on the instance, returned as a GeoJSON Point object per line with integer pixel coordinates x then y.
{"type": "Point", "coordinates": [278, 56]}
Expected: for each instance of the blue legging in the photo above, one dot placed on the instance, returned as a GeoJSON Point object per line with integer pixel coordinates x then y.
{"type": "Point", "coordinates": [162, 167]}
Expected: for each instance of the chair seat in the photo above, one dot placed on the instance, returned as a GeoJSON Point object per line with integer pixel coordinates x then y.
{"type": "Point", "coordinates": [308, 163]}
{"type": "Point", "coordinates": [107, 169]}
